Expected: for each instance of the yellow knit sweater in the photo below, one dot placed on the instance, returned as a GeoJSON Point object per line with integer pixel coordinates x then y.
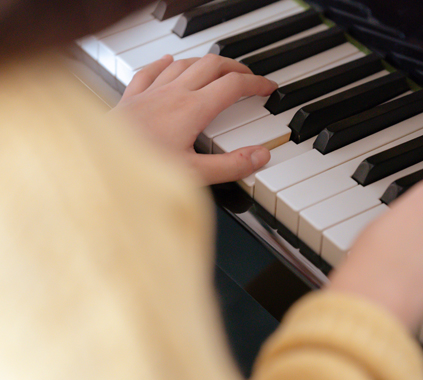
{"type": "Point", "coordinates": [106, 260]}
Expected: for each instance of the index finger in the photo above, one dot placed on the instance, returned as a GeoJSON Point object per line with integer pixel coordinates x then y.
{"type": "Point", "coordinates": [228, 89]}
{"type": "Point", "coordinates": [208, 69]}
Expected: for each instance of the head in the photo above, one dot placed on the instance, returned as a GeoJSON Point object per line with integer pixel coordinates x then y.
{"type": "Point", "coordinates": [27, 26]}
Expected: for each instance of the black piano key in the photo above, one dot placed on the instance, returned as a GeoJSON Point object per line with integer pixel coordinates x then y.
{"type": "Point", "coordinates": [413, 67]}
{"type": "Point", "coordinates": [209, 15]}
{"type": "Point", "coordinates": [313, 118]}
{"type": "Point", "coordinates": [385, 44]}
{"type": "Point", "coordinates": [356, 127]}
{"type": "Point", "coordinates": [400, 186]}
{"type": "Point", "coordinates": [168, 8]}
{"type": "Point", "coordinates": [317, 85]}
{"type": "Point", "coordinates": [254, 39]}
{"type": "Point", "coordinates": [403, 62]}
{"type": "Point", "coordinates": [351, 7]}
{"type": "Point", "coordinates": [390, 161]}
{"type": "Point", "coordinates": [285, 55]}
{"type": "Point", "coordinates": [417, 75]}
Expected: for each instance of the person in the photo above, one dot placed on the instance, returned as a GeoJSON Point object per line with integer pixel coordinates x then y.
{"type": "Point", "coordinates": [106, 232]}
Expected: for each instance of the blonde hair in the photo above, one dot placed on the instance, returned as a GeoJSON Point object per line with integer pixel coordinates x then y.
{"type": "Point", "coordinates": [105, 248]}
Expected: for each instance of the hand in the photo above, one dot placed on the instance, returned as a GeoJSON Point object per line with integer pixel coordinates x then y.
{"type": "Point", "coordinates": [386, 263]}
{"type": "Point", "coordinates": [175, 101]}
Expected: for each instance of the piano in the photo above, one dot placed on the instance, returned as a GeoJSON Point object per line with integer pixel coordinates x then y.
{"type": "Point", "coordinates": [345, 129]}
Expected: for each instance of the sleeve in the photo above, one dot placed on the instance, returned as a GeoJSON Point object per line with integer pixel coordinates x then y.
{"type": "Point", "coordinates": [106, 244]}
{"type": "Point", "coordinates": [331, 336]}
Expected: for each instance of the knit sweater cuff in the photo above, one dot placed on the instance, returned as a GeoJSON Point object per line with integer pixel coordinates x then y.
{"type": "Point", "coordinates": [351, 326]}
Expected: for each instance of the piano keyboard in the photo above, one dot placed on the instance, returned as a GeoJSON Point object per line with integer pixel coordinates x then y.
{"type": "Point", "coordinates": [338, 105]}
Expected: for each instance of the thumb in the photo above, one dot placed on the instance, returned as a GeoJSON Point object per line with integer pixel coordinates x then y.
{"type": "Point", "coordinates": [228, 167]}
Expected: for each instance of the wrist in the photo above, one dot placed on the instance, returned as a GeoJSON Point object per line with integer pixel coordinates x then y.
{"type": "Point", "coordinates": [396, 296]}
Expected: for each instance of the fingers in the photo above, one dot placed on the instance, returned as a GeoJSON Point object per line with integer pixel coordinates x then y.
{"type": "Point", "coordinates": [145, 77]}
{"type": "Point", "coordinates": [173, 71]}
{"type": "Point", "coordinates": [227, 90]}
{"type": "Point", "coordinates": [221, 78]}
{"type": "Point", "coordinates": [228, 167]}
{"type": "Point", "coordinates": [208, 69]}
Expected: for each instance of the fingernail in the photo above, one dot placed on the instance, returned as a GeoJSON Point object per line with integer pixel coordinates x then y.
{"type": "Point", "coordinates": [275, 84]}
{"type": "Point", "coordinates": [166, 57]}
{"type": "Point", "coordinates": [259, 157]}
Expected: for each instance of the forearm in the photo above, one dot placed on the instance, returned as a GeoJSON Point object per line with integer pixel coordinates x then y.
{"type": "Point", "coordinates": [385, 264]}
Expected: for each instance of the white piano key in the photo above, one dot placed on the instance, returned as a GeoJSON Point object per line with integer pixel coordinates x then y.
{"type": "Point", "coordinates": [295, 37]}
{"type": "Point", "coordinates": [335, 210]}
{"type": "Point", "coordinates": [338, 240]}
{"type": "Point", "coordinates": [251, 109]}
{"type": "Point", "coordinates": [291, 201]}
{"type": "Point", "coordinates": [271, 130]}
{"type": "Point", "coordinates": [203, 49]}
{"type": "Point", "coordinates": [130, 61]}
{"type": "Point", "coordinates": [134, 19]}
{"type": "Point", "coordinates": [299, 69]}
{"type": "Point", "coordinates": [277, 155]}
{"type": "Point", "coordinates": [346, 57]}
{"type": "Point", "coordinates": [111, 46]}
{"type": "Point", "coordinates": [314, 220]}
{"type": "Point", "coordinates": [90, 44]}
{"type": "Point", "coordinates": [268, 132]}
{"type": "Point", "coordinates": [238, 114]}
{"type": "Point", "coordinates": [288, 173]}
